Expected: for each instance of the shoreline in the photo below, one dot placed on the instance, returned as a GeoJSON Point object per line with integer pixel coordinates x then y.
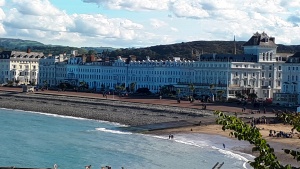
{"type": "Point", "coordinates": [137, 114]}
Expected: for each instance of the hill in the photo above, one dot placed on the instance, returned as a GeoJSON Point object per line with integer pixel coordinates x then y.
{"type": "Point", "coordinates": [192, 50]}
{"type": "Point", "coordinates": [22, 45]}
{"type": "Point", "coordinates": [187, 50]}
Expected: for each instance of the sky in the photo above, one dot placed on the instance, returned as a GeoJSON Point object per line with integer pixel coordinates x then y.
{"type": "Point", "coordinates": [143, 23]}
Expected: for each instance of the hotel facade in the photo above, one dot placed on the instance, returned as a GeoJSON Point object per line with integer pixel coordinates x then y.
{"type": "Point", "coordinates": [19, 67]}
{"type": "Point", "coordinates": [259, 70]}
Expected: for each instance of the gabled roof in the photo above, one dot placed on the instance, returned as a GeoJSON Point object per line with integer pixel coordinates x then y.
{"type": "Point", "coordinates": [261, 39]}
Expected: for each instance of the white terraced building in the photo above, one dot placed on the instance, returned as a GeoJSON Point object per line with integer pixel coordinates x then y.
{"type": "Point", "coordinates": [258, 70]}
{"type": "Point", "coordinates": [21, 67]}
{"type": "Point", "coordinates": [289, 95]}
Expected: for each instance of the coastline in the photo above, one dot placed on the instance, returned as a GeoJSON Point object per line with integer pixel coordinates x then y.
{"type": "Point", "coordinates": [135, 114]}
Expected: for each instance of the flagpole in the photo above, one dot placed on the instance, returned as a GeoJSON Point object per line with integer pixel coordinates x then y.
{"type": "Point", "coordinates": [227, 83]}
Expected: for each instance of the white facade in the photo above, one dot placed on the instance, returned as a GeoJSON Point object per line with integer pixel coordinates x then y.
{"type": "Point", "coordinates": [21, 67]}
{"type": "Point", "coordinates": [52, 70]}
{"type": "Point", "coordinates": [258, 71]}
{"type": "Point", "coordinates": [289, 95]}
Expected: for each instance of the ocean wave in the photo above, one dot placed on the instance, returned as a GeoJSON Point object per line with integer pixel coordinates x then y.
{"type": "Point", "coordinates": [202, 142]}
{"type": "Point", "coordinates": [112, 131]}
{"type": "Point", "coordinates": [68, 117]}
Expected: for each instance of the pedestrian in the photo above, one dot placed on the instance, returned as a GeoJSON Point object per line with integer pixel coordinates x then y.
{"type": "Point", "coordinates": [265, 110]}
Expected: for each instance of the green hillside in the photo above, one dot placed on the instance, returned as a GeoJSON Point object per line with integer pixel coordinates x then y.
{"type": "Point", "coordinates": [187, 50]}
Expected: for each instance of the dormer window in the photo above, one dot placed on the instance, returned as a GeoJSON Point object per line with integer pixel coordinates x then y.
{"type": "Point", "coordinates": [266, 39]}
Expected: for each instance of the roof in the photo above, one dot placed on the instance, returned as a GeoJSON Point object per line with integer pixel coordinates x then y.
{"type": "Point", "coordinates": [294, 59]}
{"type": "Point", "coordinates": [229, 57]}
{"type": "Point", "coordinates": [18, 54]}
{"type": "Point", "coordinates": [261, 39]}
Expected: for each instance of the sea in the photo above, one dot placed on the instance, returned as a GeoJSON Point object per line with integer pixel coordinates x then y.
{"type": "Point", "coordinates": [40, 140]}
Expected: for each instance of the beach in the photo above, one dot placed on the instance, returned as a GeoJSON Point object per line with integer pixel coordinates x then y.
{"type": "Point", "coordinates": [181, 118]}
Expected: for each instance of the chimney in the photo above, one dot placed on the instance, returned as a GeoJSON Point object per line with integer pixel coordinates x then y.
{"type": "Point", "coordinates": [272, 39]}
{"type": "Point", "coordinates": [28, 50]}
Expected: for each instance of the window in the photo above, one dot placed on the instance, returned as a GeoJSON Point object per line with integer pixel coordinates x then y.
{"type": "Point", "coordinates": [270, 67]}
{"type": "Point", "coordinates": [253, 74]}
{"type": "Point", "coordinates": [262, 67]}
{"type": "Point", "coordinates": [270, 74]}
{"type": "Point", "coordinates": [279, 74]}
{"type": "Point", "coordinates": [245, 74]}
{"type": "Point", "coordinates": [279, 67]}
{"type": "Point", "coordinates": [262, 74]}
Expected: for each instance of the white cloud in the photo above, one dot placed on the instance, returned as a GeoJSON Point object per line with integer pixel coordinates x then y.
{"type": "Point", "coordinates": [132, 23]}
{"type": "Point", "coordinates": [35, 7]}
{"type": "Point", "coordinates": [188, 9]}
{"type": "Point", "coordinates": [2, 2]}
{"type": "Point", "coordinates": [99, 25]}
{"type": "Point", "coordinates": [132, 5]}
{"type": "Point", "coordinates": [174, 29]}
{"type": "Point", "coordinates": [156, 23]}
{"type": "Point", "coordinates": [19, 20]}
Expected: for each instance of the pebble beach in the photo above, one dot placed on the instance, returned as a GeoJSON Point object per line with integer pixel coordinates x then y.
{"type": "Point", "coordinates": [126, 113]}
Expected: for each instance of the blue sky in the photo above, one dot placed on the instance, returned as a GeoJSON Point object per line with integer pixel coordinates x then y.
{"type": "Point", "coordinates": [141, 23]}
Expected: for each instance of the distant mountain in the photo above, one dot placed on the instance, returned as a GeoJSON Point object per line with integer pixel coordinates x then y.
{"type": "Point", "coordinates": [8, 43]}
{"type": "Point", "coordinates": [22, 45]}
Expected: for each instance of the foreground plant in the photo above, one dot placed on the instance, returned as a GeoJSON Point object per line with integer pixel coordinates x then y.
{"type": "Point", "coordinates": [242, 131]}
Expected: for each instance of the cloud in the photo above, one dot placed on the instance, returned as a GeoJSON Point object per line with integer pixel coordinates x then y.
{"type": "Point", "coordinates": [35, 7]}
{"type": "Point", "coordinates": [2, 2]}
{"type": "Point", "coordinates": [19, 20]}
{"type": "Point", "coordinates": [188, 9]}
{"type": "Point", "coordinates": [156, 23]}
{"type": "Point", "coordinates": [132, 5]}
{"type": "Point", "coordinates": [132, 23]}
{"type": "Point", "coordinates": [99, 25]}
{"type": "Point", "coordinates": [174, 29]}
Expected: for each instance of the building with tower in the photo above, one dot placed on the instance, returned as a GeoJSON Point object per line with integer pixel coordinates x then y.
{"type": "Point", "coordinates": [258, 71]}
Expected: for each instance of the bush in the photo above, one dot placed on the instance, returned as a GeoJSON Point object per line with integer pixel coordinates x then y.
{"type": "Point", "coordinates": [143, 91]}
